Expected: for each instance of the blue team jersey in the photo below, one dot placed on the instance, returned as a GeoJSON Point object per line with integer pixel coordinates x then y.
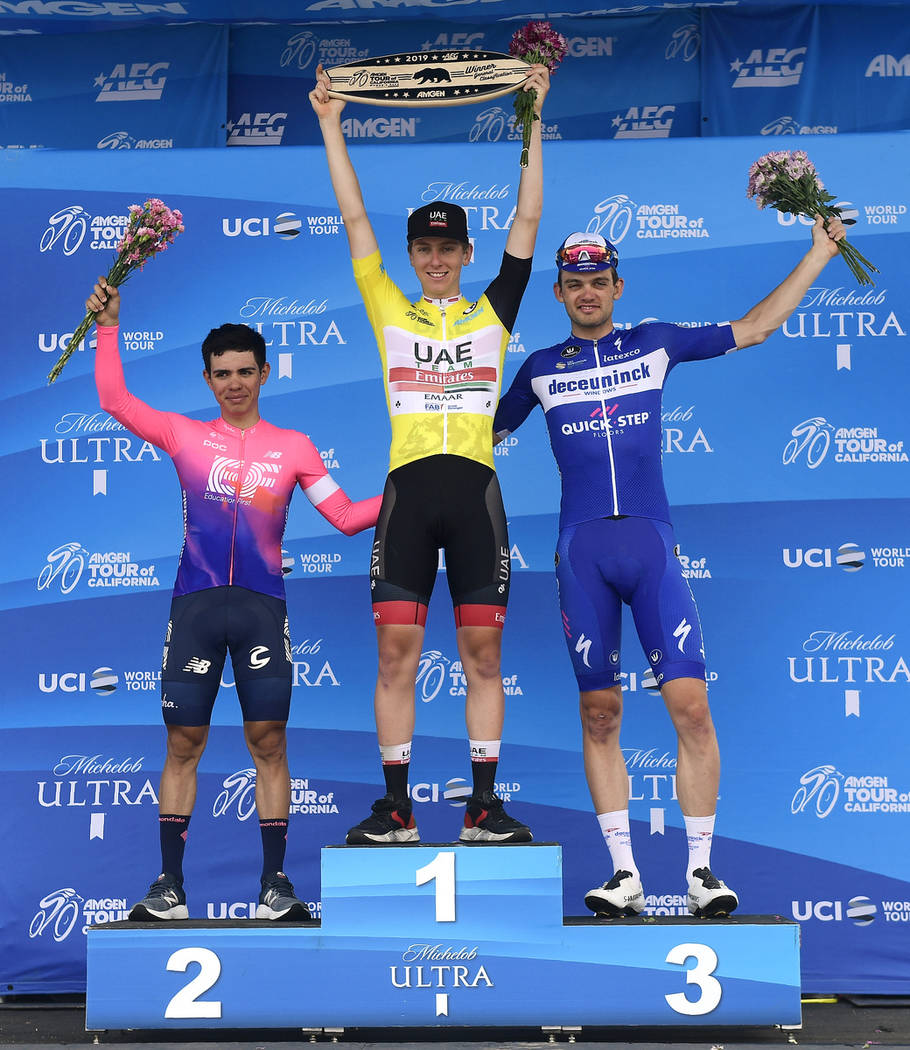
{"type": "Point", "coordinates": [602, 401]}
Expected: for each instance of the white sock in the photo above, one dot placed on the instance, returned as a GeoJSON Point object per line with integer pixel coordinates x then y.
{"type": "Point", "coordinates": [395, 754]}
{"type": "Point", "coordinates": [615, 829]}
{"type": "Point", "coordinates": [699, 833]}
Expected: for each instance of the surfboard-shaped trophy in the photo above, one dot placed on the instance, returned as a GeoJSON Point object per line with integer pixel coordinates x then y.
{"type": "Point", "coordinates": [428, 78]}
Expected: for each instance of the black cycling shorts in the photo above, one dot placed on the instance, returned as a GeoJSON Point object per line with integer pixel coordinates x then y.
{"type": "Point", "coordinates": [203, 626]}
{"type": "Point", "coordinates": [446, 503]}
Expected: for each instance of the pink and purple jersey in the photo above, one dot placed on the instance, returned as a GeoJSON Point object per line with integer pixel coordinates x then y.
{"type": "Point", "coordinates": [237, 485]}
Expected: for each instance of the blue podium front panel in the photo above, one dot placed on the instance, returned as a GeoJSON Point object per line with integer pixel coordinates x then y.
{"type": "Point", "coordinates": [443, 935]}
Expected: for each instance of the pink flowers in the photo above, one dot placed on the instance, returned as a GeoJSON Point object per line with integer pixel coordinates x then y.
{"type": "Point", "coordinates": [151, 228]}
{"type": "Point", "coordinates": [534, 42]}
{"type": "Point", "coordinates": [539, 42]}
{"type": "Point", "coordinates": [787, 181]}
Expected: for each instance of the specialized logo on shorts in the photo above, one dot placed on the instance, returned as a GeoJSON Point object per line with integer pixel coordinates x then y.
{"type": "Point", "coordinates": [583, 648]}
{"type": "Point", "coordinates": [259, 656]}
{"type": "Point", "coordinates": [225, 479]}
{"type": "Point", "coordinates": [197, 665]}
{"type": "Point", "coordinates": [681, 633]}
{"type": "Point", "coordinates": [776, 67]}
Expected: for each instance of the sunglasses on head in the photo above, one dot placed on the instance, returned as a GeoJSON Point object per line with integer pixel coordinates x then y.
{"type": "Point", "coordinates": [587, 254]}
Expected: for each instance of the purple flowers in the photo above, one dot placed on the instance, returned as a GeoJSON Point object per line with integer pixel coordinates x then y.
{"type": "Point", "coordinates": [787, 181]}
{"type": "Point", "coordinates": [151, 228]}
{"type": "Point", "coordinates": [536, 42]}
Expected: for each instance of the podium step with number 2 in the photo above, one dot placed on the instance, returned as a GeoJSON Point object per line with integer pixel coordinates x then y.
{"type": "Point", "coordinates": [418, 936]}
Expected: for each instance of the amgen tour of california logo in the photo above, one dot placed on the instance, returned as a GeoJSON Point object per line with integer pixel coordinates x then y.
{"type": "Point", "coordinates": [66, 565]}
{"type": "Point", "coordinates": [491, 123]}
{"type": "Point", "coordinates": [301, 48]}
{"type": "Point", "coordinates": [616, 215]}
{"type": "Point", "coordinates": [811, 440]}
{"type": "Point", "coordinates": [68, 227]}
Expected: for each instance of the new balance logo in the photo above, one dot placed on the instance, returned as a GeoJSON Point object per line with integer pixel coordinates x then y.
{"type": "Point", "coordinates": [197, 665]}
{"type": "Point", "coordinates": [682, 633]}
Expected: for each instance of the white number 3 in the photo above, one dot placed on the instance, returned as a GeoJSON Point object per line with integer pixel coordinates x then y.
{"type": "Point", "coordinates": [705, 965]}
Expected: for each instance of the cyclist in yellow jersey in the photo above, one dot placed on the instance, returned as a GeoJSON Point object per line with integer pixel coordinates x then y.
{"type": "Point", "coordinates": [442, 362]}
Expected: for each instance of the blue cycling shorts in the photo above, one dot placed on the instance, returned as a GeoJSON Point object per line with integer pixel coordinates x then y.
{"type": "Point", "coordinates": [604, 563]}
{"type": "Point", "coordinates": [203, 627]}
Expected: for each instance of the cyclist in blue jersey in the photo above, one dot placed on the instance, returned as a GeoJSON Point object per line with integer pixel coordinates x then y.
{"type": "Point", "coordinates": [600, 390]}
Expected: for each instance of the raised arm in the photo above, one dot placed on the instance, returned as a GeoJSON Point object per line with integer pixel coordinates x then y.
{"type": "Point", "coordinates": [143, 420]}
{"type": "Point", "coordinates": [523, 234]}
{"type": "Point", "coordinates": [767, 316]}
{"type": "Point", "coordinates": [357, 226]}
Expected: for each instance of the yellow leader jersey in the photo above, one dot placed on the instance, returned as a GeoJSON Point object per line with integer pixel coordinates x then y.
{"type": "Point", "coordinates": [441, 360]}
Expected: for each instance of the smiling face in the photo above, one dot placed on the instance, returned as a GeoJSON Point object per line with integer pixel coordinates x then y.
{"type": "Point", "coordinates": [437, 261]}
{"type": "Point", "coordinates": [235, 380]}
{"type": "Point", "coordinates": [588, 299]}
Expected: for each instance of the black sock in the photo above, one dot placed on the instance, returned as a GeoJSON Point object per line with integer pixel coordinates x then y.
{"type": "Point", "coordinates": [274, 844]}
{"type": "Point", "coordinates": [396, 779]}
{"type": "Point", "coordinates": [172, 830]}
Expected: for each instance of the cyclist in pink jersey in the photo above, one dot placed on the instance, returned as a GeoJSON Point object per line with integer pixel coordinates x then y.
{"type": "Point", "coordinates": [237, 474]}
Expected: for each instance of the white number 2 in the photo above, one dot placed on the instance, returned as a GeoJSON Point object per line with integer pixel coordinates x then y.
{"type": "Point", "coordinates": [184, 1003]}
{"type": "Point", "coordinates": [705, 965]}
{"type": "Point", "coordinates": [442, 869]}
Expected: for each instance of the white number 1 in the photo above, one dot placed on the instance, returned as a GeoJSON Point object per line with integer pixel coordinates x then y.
{"type": "Point", "coordinates": [442, 869]}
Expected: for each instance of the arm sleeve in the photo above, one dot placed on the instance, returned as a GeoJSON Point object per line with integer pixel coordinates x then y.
{"type": "Point", "coordinates": [516, 403]}
{"type": "Point", "coordinates": [327, 496]}
{"type": "Point", "coordinates": [507, 288]}
{"type": "Point", "coordinates": [146, 422]}
{"type": "Point", "coordinates": [698, 344]}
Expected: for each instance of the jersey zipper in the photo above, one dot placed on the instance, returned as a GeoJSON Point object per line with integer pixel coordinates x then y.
{"type": "Point", "coordinates": [445, 404]}
{"type": "Point", "coordinates": [603, 408]}
{"type": "Point", "coordinates": [237, 489]}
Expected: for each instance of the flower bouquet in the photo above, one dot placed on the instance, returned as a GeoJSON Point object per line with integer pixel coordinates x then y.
{"type": "Point", "coordinates": [152, 227]}
{"type": "Point", "coordinates": [535, 42]}
{"type": "Point", "coordinates": [788, 182]}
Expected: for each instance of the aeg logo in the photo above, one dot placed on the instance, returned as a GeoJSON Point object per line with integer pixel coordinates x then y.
{"type": "Point", "coordinates": [141, 83]}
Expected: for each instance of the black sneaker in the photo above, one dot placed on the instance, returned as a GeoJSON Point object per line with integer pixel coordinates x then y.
{"type": "Point", "coordinates": [390, 822]}
{"type": "Point", "coordinates": [277, 900]}
{"type": "Point", "coordinates": [165, 900]}
{"type": "Point", "coordinates": [621, 897]}
{"type": "Point", "coordinates": [709, 897]}
{"type": "Point", "coordinates": [485, 820]}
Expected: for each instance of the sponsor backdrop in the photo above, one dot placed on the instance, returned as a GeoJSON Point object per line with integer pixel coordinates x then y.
{"type": "Point", "coordinates": [787, 466]}
{"type": "Point", "coordinates": [810, 70]}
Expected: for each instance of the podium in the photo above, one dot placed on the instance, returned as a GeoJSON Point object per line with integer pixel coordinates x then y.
{"type": "Point", "coordinates": [443, 935]}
